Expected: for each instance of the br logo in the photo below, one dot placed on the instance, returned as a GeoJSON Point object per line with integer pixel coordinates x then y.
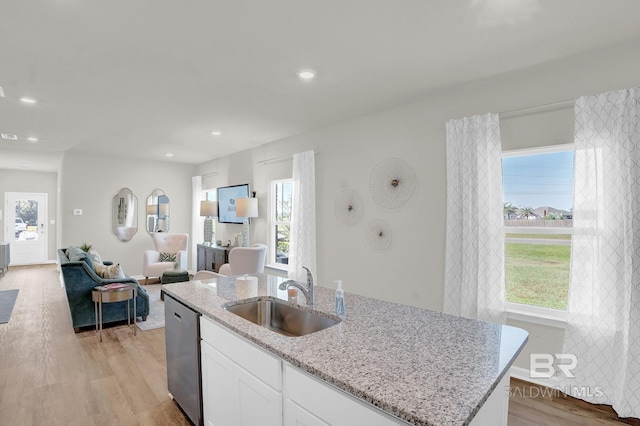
{"type": "Point", "coordinates": [541, 365]}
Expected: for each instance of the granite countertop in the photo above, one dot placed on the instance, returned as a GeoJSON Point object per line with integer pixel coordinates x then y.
{"type": "Point", "coordinates": [425, 367]}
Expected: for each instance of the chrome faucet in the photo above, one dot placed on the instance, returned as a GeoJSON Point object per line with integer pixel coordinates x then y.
{"type": "Point", "coordinates": [308, 291]}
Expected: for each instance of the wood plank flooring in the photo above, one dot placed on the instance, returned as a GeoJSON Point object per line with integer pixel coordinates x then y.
{"type": "Point", "coordinates": [51, 375]}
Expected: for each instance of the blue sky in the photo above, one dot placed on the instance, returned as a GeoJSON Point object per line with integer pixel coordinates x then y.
{"type": "Point", "coordinates": [539, 180]}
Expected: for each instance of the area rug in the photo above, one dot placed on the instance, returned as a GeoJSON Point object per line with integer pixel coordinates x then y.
{"type": "Point", "coordinates": [155, 319]}
{"type": "Point", "coordinates": [7, 301]}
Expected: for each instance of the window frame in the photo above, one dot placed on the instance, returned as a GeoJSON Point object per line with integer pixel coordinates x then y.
{"type": "Point", "coordinates": [520, 311]}
{"type": "Point", "coordinates": [271, 252]}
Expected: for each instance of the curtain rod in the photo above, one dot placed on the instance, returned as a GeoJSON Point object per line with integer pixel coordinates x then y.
{"type": "Point", "coordinates": [281, 158]}
{"type": "Point", "coordinates": [537, 108]}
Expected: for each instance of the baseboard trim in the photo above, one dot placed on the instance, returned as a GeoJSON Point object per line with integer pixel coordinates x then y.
{"type": "Point", "coordinates": [523, 374]}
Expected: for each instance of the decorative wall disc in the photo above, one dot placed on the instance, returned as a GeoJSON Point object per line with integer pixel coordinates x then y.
{"type": "Point", "coordinates": [378, 234]}
{"type": "Point", "coordinates": [392, 183]}
{"type": "Point", "coordinates": [348, 206]}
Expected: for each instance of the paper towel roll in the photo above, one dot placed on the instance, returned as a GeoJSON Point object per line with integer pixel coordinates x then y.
{"type": "Point", "coordinates": [246, 287]}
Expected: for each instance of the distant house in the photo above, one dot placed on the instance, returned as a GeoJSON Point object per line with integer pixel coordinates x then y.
{"type": "Point", "coordinates": [543, 211]}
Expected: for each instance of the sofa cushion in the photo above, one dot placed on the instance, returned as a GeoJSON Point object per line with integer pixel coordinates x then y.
{"type": "Point", "coordinates": [76, 254]}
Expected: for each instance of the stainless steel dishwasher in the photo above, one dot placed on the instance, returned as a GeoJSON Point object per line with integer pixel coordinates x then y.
{"type": "Point", "coordinates": [182, 329]}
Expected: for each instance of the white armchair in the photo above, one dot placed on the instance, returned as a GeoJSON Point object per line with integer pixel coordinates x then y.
{"type": "Point", "coordinates": [245, 260]}
{"type": "Point", "coordinates": [165, 243]}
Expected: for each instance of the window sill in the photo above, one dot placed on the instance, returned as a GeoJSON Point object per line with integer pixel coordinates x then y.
{"type": "Point", "coordinates": [278, 269]}
{"type": "Point", "coordinates": [536, 315]}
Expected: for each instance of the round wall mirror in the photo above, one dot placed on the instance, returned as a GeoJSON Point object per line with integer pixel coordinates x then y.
{"type": "Point", "coordinates": [157, 212]}
{"type": "Point", "coordinates": [125, 214]}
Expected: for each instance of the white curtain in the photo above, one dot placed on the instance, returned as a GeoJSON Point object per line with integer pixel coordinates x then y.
{"type": "Point", "coordinates": [197, 224]}
{"type": "Point", "coordinates": [474, 265]}
{"type": "Point", "coordinates": [603, 329]}
{"type": "Point", "coordinates": [302, 245]}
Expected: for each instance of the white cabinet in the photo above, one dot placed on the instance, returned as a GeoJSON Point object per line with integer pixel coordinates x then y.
{"type": "Point", "coordinates": [495, 410]}
{"type": "Point", "coordinates": [311, 402]}
{"type": "Point", "coordinates": [217, 385]}
{"type": "Point", "coordinates": [298, 416]}
{"type": "Point", "coordinates": [241, 384]}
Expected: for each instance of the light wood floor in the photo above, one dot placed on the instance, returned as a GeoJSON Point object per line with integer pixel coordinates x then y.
{"type": "Point", "coordinates": [50, 375]}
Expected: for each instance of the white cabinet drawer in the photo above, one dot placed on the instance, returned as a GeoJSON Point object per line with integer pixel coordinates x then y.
{"type": "Point", "coordinates": [328, 404]}
{"type": "Point", "coordinates": [255, 360]}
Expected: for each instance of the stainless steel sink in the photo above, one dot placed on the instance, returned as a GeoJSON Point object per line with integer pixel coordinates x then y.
{"type": "Point", "coordinates": [281, 318]}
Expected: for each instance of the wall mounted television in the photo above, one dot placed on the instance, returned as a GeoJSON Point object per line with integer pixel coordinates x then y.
{"type": "Point", "coordinates": [227, 196]}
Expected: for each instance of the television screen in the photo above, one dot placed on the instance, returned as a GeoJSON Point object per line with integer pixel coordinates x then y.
{"type": "Point", "coordinates": [227, 202]}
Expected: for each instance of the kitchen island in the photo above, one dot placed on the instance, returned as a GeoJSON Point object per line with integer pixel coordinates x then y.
{"type": "Point", "coordinates": [416, 366]}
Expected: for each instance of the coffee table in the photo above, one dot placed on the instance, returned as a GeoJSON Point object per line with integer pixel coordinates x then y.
{"type": "Point", "coordinates": [114, 293]}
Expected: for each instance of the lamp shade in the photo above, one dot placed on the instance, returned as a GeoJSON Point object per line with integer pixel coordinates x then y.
{"type": "Point", "coordinates": [209, 208]}
{"type": "Point", "coordinates": [247, 207]}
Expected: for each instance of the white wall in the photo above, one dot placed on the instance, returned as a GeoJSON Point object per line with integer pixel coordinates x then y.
{"type": "Point", "coordinates": [90, 183]}
{"type": "Point", "coordinates": [412, 270]}
{"type": "Point", "coordinates": [28, 181]}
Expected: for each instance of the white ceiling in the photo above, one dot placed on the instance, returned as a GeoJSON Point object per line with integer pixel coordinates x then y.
{"type": "Point", "coordinates": [145, 77]}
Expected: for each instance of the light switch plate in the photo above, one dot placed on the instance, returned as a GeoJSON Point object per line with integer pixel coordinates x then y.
{"type": "Point", "coordinates": [77, 212]}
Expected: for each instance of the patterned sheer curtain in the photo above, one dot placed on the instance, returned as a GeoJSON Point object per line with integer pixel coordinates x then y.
{"type": "Point", "coordinates": [302, 245]}
{"type": "Point", "coordinates": [603, 329]}
{"type": "Point", "coordinates": [197, 226]}
{"type": "Point", "coordinates": [474, 265]}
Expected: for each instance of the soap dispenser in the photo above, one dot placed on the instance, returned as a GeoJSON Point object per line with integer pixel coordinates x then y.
{"type": "Point", "coordinates": [339, 298]}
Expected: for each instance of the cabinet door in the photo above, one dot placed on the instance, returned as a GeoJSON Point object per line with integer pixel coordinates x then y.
{"type": "Point", "coordinates": [208, 259]}
{"type": "Point", "coordinates": [217, 382]}
{"type": "Point", "coordinates": [218, 259]}
{"type": "Point", "coordinates": [201, 262]}
{"type": "Point", "coordinates": [295, 415]}
{"type": "Point", "coordinates": [259, 404]}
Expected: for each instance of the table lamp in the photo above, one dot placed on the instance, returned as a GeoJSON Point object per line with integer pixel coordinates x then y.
{"type": "Point", "coordinates": [246, 208]}
{"type": "Point", "coordinates": [208, 209]}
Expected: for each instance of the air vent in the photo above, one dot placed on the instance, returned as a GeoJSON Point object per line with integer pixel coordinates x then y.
{"type": "Point", "coordinates": [8, 137]}
{"type": "Point", "coordinates": [1, 92]}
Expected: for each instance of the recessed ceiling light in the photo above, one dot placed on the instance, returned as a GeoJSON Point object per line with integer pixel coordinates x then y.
{"type": "Point", "coordinates": [306, 74]}
{"type": "Point", "coordinates": [216, 133]}
{"type": "Point", "coordinates": [28, 100]}
{"type": "Point", "coordinates": [168, 154]}
{"type": "Point", "coordinates": [9, 137]}
{"type": "Point", "coordinates": [32, 139]}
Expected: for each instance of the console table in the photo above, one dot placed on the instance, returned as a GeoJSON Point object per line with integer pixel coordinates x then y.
{"type": "Point", "coordinates": [211, 258]}
{"type": "Point", "coordinates": [4, 257]}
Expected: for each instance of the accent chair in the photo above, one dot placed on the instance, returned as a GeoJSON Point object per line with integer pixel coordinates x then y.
{"type": "Point", "coordinates": [170, 252]}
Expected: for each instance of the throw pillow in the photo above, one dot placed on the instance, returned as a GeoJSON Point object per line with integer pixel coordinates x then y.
{"type": "Point", "coordinates": [167, 257]}
{"type": "Point", "coordinates": [95, 256]}
{"type": "Point", "coordinates": [108, 272]}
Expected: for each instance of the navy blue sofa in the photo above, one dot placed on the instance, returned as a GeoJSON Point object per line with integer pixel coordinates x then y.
{"type": "Point", "coordinates": [80, 278]}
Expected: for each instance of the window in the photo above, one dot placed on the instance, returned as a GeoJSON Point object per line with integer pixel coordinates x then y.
{"type": "Point", "coordinates": [212, 195]}
{"type": "Point", "coordinates": [538, 203]}
{"type": "Point", "coordinates": [280, 222]}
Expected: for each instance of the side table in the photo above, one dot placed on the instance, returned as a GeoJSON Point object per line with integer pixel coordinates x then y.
{"type": "Point", "coordinates": [114, 293]}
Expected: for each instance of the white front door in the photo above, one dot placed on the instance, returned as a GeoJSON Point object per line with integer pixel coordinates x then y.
{"type": "Point", "coordinates": [25, 227]}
